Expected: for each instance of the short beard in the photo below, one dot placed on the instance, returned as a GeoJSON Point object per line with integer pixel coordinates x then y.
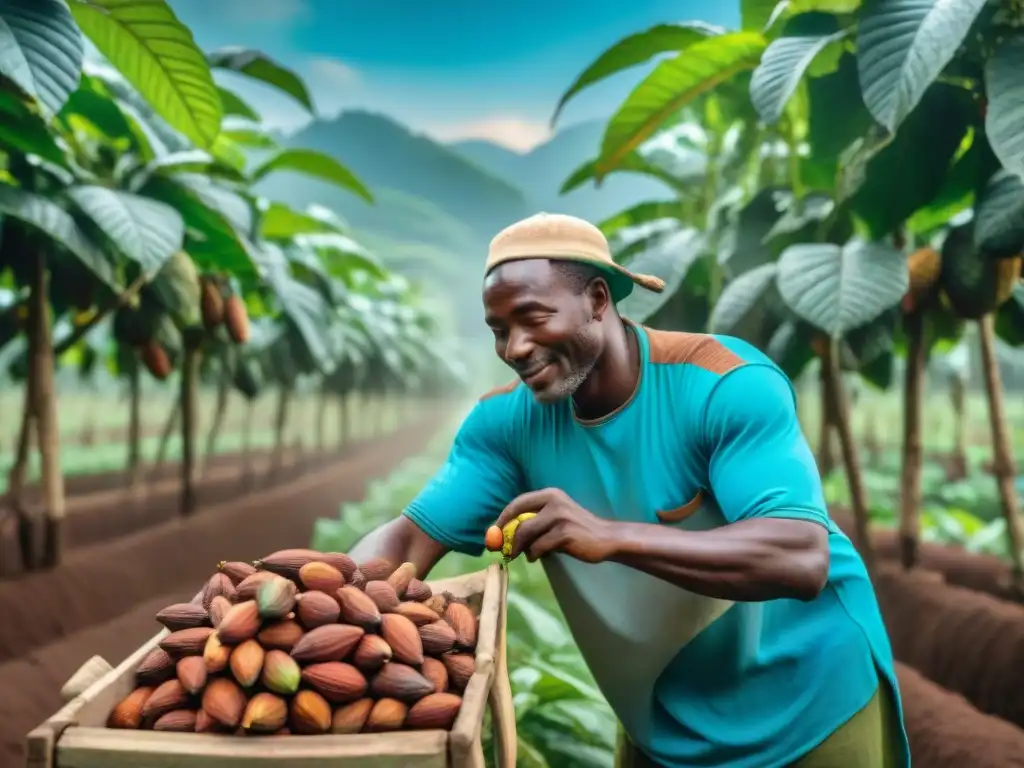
{"type": "Point", "coordinates": [589, 345]}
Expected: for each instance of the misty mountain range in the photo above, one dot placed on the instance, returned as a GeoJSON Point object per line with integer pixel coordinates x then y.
{"type": "Point", "coordinates": [438, 205]}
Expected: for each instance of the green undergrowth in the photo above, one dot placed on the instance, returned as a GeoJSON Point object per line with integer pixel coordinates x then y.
{"type": "Point", "coordinates": [562, 719]}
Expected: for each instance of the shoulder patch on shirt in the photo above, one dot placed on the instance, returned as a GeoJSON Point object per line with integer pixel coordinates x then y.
{"type": "Point", "coordinates": [504, 389]}
{"type": "Point", "coordinates": [699, 349]}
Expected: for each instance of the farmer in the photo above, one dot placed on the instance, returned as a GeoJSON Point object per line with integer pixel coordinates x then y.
{"type": "Point", "coordinates": [680, 520]}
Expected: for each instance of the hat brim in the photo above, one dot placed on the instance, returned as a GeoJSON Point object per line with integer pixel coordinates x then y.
{"type": "Point", "coordinates": [621, 281]}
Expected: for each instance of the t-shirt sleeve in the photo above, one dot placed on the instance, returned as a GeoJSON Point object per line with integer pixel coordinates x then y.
{"type": "Point", "coordinates": [759, 462]}
{"type": "Point", "coordinates": [476, 482]}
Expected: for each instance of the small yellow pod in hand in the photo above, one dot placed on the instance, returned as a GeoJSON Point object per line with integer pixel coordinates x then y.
{"type": "Point", "coordinates": [509, 531]}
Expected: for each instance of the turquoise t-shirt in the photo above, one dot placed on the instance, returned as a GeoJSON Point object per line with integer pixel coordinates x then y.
{"type": "Point", "coordinates": [709, 437]}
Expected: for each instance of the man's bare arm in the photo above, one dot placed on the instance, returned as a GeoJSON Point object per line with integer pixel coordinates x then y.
{"type": "Point", "coordinates": [400, 541]}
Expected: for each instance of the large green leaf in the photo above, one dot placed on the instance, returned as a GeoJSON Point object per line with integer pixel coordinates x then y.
{"type": "Point", "coordinates": [233, 104]}
{"type": "Point", "coordinates": [902, 46]}
{"type": "Point", "coordinates": [282, 222]}
{"type": "Point", "coordinates": [145, 230]}
{"type": "Point", "coordinates": [41, 50]}
{"type": "Point", "coordinates": [235, 208]}
{"type": "Point", "coordinates": [1010, 317]}
{"type": "Point", "coordinates": [304, 306]}
{"type": "Point", "coordinates": [259, 66]}
{"type": "Point", "coordinates": [671, 86]}
{"type": "Point", "coordinates": [316, 164]}
{"type": "Point", "coordinates": [910, 171]}
{"type": "Point", "coordinates": [756, 14]}
{"type": "Point", "coordinates": [92, 104]}
{"type": "Point", "coordinates": [743, 297]}
{"type": "Point", "coordinates": [999, 216]}
{"type": "Point", "coordinates": [839, 288]}
{"type": "Point", "coordinates": [670, 260]}
{"type": "Point", "coordinates": [634, 162]}
{"type": "Point", "coordinates": [641, 213]}
{"type": "Point", "coordinates": [1005, 89]}
{"type": "Point", "coordinates": [636, 49]}
{"type": "Point", "coordinates": [56, 223]}
{"type": "Point", "coordinates": [837, 118]}
{"type": "Point", "coordinates": [156, 53]}
{"type": "Point", "coordinates": [24, 131]}
{"type": "Point", "coordinates": [958, 189]}
{"type": "Point", "coordinates": [743, 245]}
{"type": "Point", "coordinates": [776, 78]}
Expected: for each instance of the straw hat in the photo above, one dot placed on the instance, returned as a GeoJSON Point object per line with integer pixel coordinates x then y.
{"type": "Point", "coordinates": [557, 236]}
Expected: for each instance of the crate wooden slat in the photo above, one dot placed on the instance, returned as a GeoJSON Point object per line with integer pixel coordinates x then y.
{"type": "Point", "coordinates": [76, 736]}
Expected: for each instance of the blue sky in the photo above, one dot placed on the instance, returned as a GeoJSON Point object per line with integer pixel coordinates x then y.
{"type": "Point", "coordinates": [452, 69]}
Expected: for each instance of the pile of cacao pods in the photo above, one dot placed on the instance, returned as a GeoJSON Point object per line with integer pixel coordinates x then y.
{"type": "Point", "coordinates": [306, 642]}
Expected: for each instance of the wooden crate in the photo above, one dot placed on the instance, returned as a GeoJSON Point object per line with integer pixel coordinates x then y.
{"type": "Point", "coordinates": [76, 737]}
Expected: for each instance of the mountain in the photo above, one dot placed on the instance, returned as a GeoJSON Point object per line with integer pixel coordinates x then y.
{"type": "Point", "coordinates": [388, 156]}
{"type": "Point", "coordinates": [541, 173]}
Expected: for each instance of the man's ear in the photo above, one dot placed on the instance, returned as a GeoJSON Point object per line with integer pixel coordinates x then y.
{"type": "Point", "coordinates": [600, 297]}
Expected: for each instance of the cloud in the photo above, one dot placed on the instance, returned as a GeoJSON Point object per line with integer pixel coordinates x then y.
{"type": "Point", "coordinates": [514, 133]}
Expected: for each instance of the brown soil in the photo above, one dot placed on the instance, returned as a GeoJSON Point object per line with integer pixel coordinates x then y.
{"type": "Point", "coordinates": [982, 573]}
{"type": "Point", "coordinates": [98, 583]}
{"type": "Point", "coordinates": [945, 731]}
{"type": "Point", "coordinates": [965, 641]}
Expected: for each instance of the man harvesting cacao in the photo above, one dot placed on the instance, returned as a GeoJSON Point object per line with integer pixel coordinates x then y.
{"type": "Point", "coordinates": [679, 516]}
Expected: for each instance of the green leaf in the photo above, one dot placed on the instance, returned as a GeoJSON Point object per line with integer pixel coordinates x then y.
{"type": "Point", "coordinates": [281, 222]}
{"type": "Point", "coordinates": [755, 14]}
{"type": "Point", "coordinates": [743, 245]}
{"type": "Point", "coordinates": [53, 221]}
{"type": "Point", "coordinates": [777, 76]}
{"type": "Point", "coordinates": [156, 53]}
{"type": "Point", "coordinates": [909, 172]}
{"type": "Point", "coordinates": [636, 49]}
{"type": "Point", "coordinates": [641, 213]}
{"type": "Point", "coordinates": [315, 164]}
{"type": "Point", "coordinates": [146, 231]}
{"type": "Point", "coordinates": [1010, 318]}
{"type": "Point", "coordinates": [235, 208]}
{"type": "Point", "coordinates": [24, 131]}
{"type": "Point", "coordinates": [41, 50]}
{"type": "Point", "coordinates": [837, 116]}
{"type": "Point", "coordinates": [790, 347]}
{"type": "Point", "coordinates": [839, 288]}
{"type": "Point", "coordinates": [633, 162]}
{"type": "Point", "coordinates": [99, 109]}
{"type": "Point", "coordinates": [233, 104]}
{"type": "Point", "coordinates": [670, 259]}
{"type": "Point", "coordinates": [902, 46]}
{"type": "Point", "coordinates": [253, 136]}
{"type": "Point", "coordinates": [671, 86]}
{"type": "Point", "coordinates": [1005, 90]}
{"type": "Point", "coordinates": [999, 216]}
{"type": "Point", "coordinates": [958, 188]}
{"type": "Point", "coordinates": [303, 305]}
{"type": "Point", "coordinates": [743, 298]}
{"type": "Point", "coordinates": [259, 66]}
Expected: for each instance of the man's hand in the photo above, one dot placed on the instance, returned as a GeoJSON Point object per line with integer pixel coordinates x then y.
{"type": "Point", "coordinates": [561, 525]}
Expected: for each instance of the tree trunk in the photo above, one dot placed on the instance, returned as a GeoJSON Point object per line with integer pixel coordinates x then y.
{"type": "Point", "coordinates": [250, 415]}
{"type": "Point", "coordinates": [134, 472]}
{"type": "Point", "coordinates": [42, 360]}
{"type": "Point", "coordinates": [189, 387]}
{"type": "Point", "coordinates": [16, 478]}
{"type": "Point", "coordinates": [958, 398]}
{"type": "Point", "coordinates": [836, 399]}
{"type": "Point", "coordinates": [166, 435]}
{"type": "Point", "coordinates": [87, 437]}
{"type": "Point", "coordinates": [910, 477]}
{"type": "Point", "coordinates": [343, 421]}
{"type": "Point", "coordinates": [826, 456]}
{"type": "Point", "coordinates": [280, 429]}
{"type": "Point", "coordinates": [1002, 450]}
{"type": "Point", "coordinates": [220, 409]}
{"type": "Point", "coordinates": [321, 421]}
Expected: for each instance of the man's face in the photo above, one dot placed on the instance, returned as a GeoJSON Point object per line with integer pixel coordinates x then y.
{"type": "Point", "coordinates": [547, 333]}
